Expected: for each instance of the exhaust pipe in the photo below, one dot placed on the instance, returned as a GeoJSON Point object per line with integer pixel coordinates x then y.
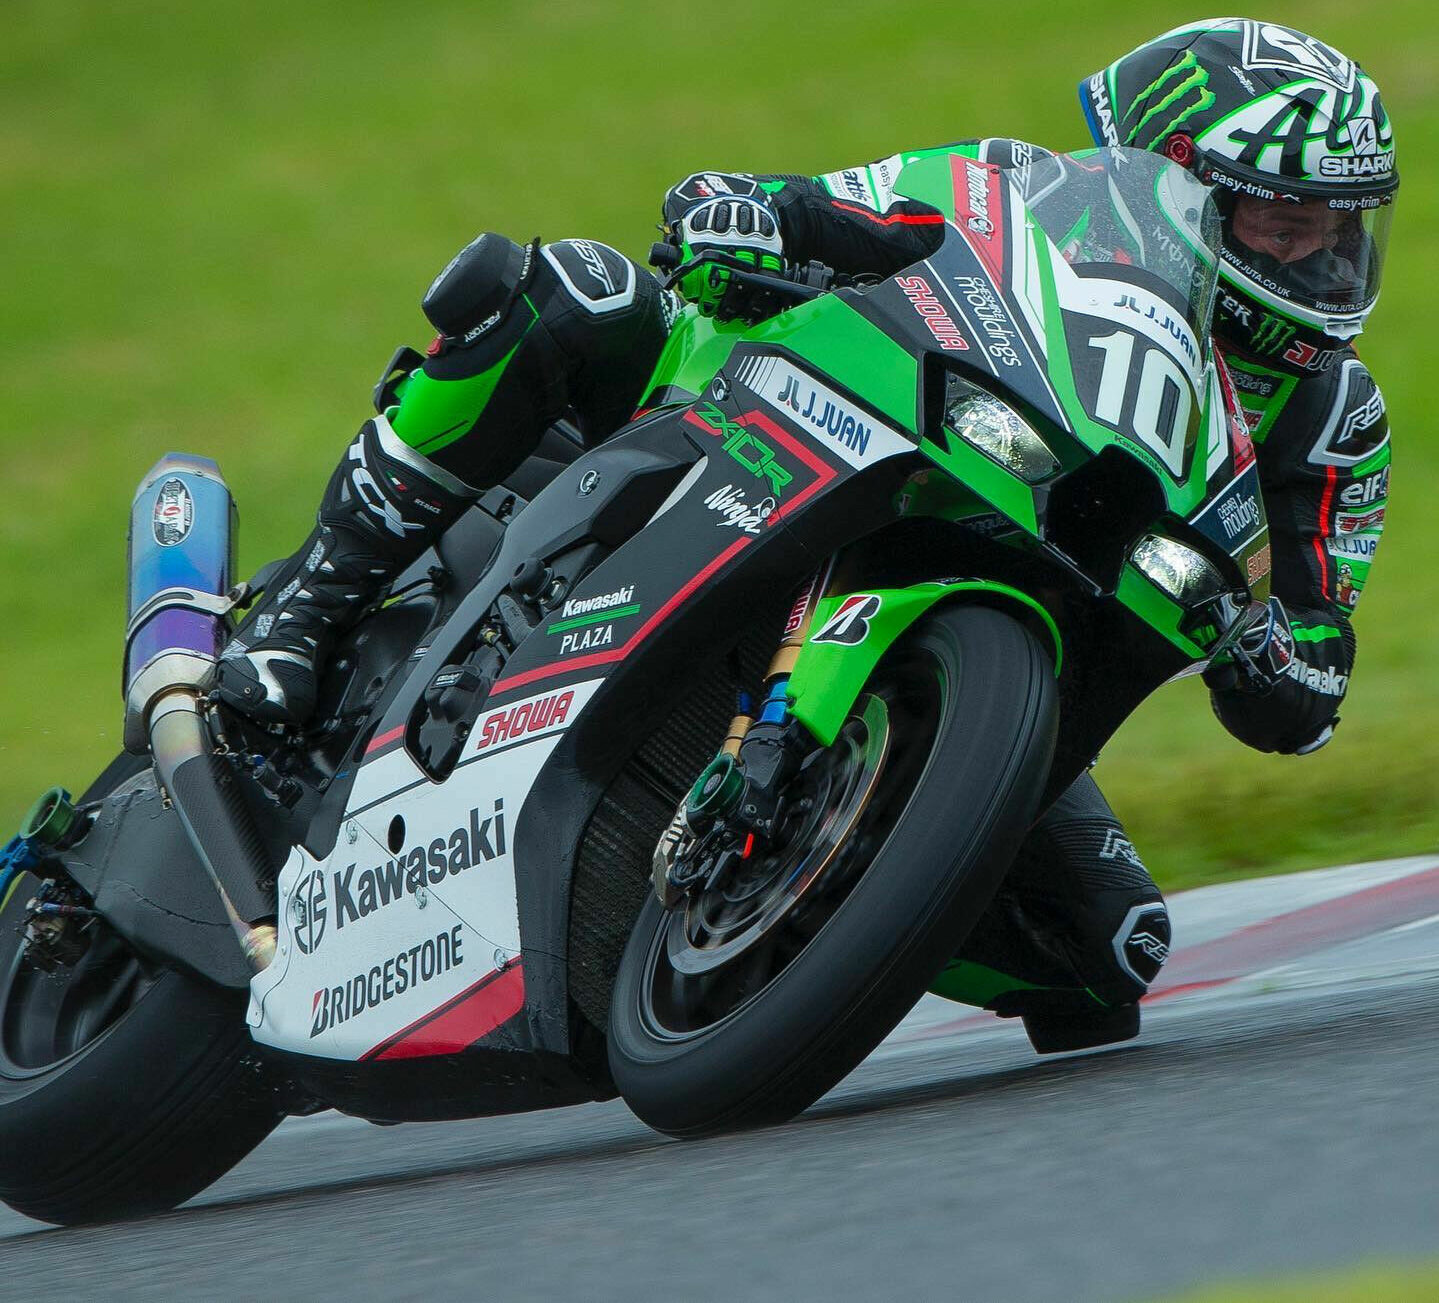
{"type": "Point", "coordinates": [181, 566]}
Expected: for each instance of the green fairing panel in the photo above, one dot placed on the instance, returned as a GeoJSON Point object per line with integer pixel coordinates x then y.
{"type": "Point", "coordinates": [1161, 613]}
{"type": "Point", "coordinates": [696, 349]}
{"type": "Point", "coordinates": [829, 676]}
{"type": "Point", "coordinates": [836, 342]}
{"type": "Point", "coordinates": [826, 332]}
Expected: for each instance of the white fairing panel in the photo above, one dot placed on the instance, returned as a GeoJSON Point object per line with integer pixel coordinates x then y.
{"type": "Point", "coordinates": [416, 904]}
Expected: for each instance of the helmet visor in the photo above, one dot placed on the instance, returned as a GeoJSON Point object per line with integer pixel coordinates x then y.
{"type": "Point", "coordinates": [1314, 254]}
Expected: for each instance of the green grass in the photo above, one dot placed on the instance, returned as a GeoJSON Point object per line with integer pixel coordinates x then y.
{"type": "Point", "coordinates": [1371, 1284]}
{"type": "Point", "coordinates": [217, 221]}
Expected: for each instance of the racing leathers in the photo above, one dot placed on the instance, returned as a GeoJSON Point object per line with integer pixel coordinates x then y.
{"type": "Point", "coordinates": [1079, 930]}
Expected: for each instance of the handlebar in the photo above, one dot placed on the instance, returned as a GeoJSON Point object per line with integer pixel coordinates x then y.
{"type": "Point", "coordinates": [799, 284]}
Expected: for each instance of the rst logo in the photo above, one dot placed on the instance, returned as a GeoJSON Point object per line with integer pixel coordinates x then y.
{"type": "Point", "coordinates": [1370, 489]}
{"type": "Point", "coordinates": [525, 720]}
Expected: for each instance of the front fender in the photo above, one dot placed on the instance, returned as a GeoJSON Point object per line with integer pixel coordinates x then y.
{"type": "Point", "coordinates": [851, 632]}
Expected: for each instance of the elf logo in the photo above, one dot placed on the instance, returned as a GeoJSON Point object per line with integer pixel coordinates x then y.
{"type": "Point", "coordinates": [1370, 489]}
{"type": "Point", "coordinates": [849, 626]}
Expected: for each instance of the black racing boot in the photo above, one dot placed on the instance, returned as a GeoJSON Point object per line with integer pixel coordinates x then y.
{"type": "Point", "coordinates": [384, 505]}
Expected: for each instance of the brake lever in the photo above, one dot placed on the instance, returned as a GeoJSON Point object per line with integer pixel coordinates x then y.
{"type": "Point", "coordinates": [817, 275]}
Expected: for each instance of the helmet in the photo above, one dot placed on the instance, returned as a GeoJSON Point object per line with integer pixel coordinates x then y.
{"type": "Point", "coordinates": [1297, 144]}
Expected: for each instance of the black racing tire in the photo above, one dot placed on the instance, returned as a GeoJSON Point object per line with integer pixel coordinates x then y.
{"type": "Point", "coordinates": [124, 1088]}
{"type": "Point", "coordinates": [989, 740]}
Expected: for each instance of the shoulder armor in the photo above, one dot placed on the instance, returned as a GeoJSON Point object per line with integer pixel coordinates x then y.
{"type": "Point", "coordinates": [1006, 153]}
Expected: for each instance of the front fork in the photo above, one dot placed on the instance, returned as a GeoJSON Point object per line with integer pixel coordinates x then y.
{"type": "Point", "coordinates": [741, 787]}
{"type": "Point", "coordinates": [813, 681]}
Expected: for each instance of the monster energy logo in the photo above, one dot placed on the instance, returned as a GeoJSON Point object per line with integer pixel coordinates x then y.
{"type": "Point", "coordinates": [1183, 90]}
{"type": "Point", "coordinates": [1272, 334]}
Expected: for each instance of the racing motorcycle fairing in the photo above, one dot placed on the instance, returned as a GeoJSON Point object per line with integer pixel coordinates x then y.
{"type": "Point", "coordinates": [437, 922]}
{"type": "Point", "coordinates": [459, 885]}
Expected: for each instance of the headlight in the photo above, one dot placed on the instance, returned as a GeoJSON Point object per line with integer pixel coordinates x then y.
{"type": "Point", "coordinates": [1186, 575]}
{"type": "Point", "coordinates": [999, 432]}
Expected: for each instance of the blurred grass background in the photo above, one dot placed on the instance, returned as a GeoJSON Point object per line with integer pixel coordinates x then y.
{"type": "Point", "coordinates": [217, 222]}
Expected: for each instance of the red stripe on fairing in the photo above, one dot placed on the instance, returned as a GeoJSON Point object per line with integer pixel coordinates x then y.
{"type": "Point", "coordinates": [1326, 527]}
{"type": "Point", "coordinates": [824, 473]}
{"type": "Point", "coordinates": [385, 739]}
{"type": "Point", "coordinates": [905, 219]}
{"type": "Point", "coordinates": [458, 1023]}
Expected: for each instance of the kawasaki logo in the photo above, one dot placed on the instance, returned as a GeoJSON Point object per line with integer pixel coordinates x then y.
{"type": "Point", "coordinates": [358, 895]}
{"type": "Point", "coordinates": [584, 605]}
{"type": "Point", "coordinates": [1327, 681]}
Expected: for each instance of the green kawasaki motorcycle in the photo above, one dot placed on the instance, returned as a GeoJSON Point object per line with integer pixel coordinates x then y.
{"type": "Point", "coordinates": [683, 779]}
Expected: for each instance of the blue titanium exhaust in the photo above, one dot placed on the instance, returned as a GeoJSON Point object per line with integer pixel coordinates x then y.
{"type": "Point", "coordinates": [182, 538]}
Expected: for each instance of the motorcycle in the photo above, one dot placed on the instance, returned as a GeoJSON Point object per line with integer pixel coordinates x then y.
{"type": "Point", "coordinates": [677, 770]}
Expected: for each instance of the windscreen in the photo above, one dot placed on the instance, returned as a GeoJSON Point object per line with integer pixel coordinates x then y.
{"type": "Point", "coordinates": [1104, 209]}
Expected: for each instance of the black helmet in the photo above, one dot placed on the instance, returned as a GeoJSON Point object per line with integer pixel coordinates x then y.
{"type": "Point", "coordinates": [1293, 136]}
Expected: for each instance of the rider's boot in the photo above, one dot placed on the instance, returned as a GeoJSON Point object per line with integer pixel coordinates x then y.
{"type": "Point", "coordinates": [384, 505]}
{"type": "Point", "coordinates": [1075, 936]}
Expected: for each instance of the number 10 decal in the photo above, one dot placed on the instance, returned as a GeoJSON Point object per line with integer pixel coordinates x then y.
{"type": "Point", "coordinates": [1159, 416]}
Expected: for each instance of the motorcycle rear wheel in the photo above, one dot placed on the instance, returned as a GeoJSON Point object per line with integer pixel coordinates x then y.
{"type": "Point", "coordinates": [720, 1021]}
{"type": "Point", "coordinates": [124, 1088]}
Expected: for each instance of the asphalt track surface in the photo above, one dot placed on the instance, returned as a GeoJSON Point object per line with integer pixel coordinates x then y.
{"type": "Point", "coordinates": [1278, 1113]}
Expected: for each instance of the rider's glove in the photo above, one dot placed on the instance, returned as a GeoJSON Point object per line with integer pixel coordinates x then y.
{"type": "Point", "coordinates": [742, 227]}
{"type": "Point", "coordinates": [1261, 657]}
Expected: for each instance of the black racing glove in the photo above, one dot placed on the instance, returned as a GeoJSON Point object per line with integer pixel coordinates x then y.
{"type": "Point", "coordinates": [742, 227]}
{"type": "Point", "coordinates": [1259, 660]}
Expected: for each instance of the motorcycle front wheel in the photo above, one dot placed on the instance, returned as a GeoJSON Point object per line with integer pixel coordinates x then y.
{"type": "Point", "coordinates": [751, 998]}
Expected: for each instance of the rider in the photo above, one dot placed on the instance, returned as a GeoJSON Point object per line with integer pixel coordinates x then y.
{"type": "Point", "coordinates": [1294, 137]}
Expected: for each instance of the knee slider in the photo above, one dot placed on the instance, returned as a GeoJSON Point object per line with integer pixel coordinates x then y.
{"type": "Point", "coordinates": [475, 291]}
{"type": "Point", "coordinates": [1141, 942]}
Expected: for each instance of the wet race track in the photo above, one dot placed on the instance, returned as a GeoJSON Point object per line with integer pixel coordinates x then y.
{"type": "Point", "coordinates": [1277, 1113]}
